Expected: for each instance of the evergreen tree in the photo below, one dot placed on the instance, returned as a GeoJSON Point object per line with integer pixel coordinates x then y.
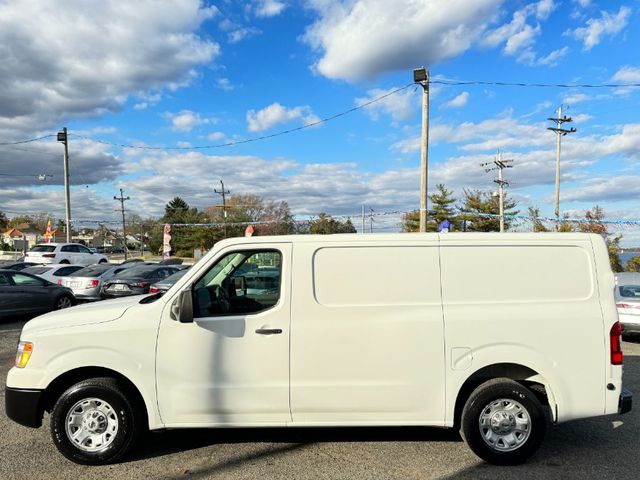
{"type": "Point", "coordinates": [477, 202]}
{"type": "Point", "coordinates": [326, 224]}
{"type": "Point", "coordinates": [441, 209]}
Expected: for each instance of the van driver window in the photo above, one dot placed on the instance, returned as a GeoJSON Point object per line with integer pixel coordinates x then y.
{"type": "Point", "coordinates": [240, 283]}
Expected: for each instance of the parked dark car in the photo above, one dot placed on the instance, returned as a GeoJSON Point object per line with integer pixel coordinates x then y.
{"type": "Point", "coordinates": [135, 280]}
{"type": "Point", "coordinates": [167, 283]}
{"type": "Point", "coordinates": [25, 294]}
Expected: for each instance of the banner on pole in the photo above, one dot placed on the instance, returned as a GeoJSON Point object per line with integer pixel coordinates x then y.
{"type": "Point", "coordinates": [166, 241]}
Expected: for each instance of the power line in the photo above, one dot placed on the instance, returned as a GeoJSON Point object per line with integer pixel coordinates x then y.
{"type": "Point", "coordinates": [255, 139]}
{"type": "Point", "coordinates": [444, 81]}
{"type": "Point", "coordinates": [28, 141]}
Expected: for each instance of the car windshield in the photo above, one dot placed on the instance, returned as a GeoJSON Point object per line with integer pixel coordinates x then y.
{"type": "Point", "coordinates": [92, 271]}
{"type": "Point", "coordinates": [36, 270]}
{"type": "Point", "coordinates": [43, 248]}
{"type": "Point", "coordinates": [630, 291]}
{"type": "Point", "coordinates": [142, 271]}
{"type": "Point", "coordinates": [174, 277]}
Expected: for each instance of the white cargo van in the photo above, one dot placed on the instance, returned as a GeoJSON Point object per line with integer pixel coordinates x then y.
{"type": "Point", "coordinates": [495, 334]}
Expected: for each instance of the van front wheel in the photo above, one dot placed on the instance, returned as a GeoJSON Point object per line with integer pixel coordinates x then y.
{"type": "Point", "coordinates": [93, 422]}
{"type": "Point", "coordinates": [503, 422]}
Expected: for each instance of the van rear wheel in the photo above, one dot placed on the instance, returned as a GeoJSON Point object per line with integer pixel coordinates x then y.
{"type": "Point", "coordinates": [503, 422]}
{"type": "Point", "coordinates": [94, 422]}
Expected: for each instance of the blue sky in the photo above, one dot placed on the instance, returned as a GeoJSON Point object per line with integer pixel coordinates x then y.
{"type": "Point", "coordinates": [190, 74]}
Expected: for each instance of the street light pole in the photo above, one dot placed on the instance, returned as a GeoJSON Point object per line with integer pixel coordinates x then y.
{"type": "Point", "coordinates": [62, 137]}
{"type": "Point", "coordinates": [421, 76]}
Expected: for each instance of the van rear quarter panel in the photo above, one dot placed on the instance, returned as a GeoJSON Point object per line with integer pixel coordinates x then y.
{"type": "Point", "coordinates": [527, 301]}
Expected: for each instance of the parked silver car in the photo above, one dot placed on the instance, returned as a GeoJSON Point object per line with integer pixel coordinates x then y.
{"type": "Point", "coordinates": [87, 282]}
{"type": "Point", "coordinates": [627, 296]}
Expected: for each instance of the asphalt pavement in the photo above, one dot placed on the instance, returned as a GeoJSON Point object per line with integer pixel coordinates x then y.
{"type": "Point", "coordinates": [605, 447]}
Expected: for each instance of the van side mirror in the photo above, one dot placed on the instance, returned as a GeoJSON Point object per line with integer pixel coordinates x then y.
{"type": "Point", "coordinates": [182, 307]}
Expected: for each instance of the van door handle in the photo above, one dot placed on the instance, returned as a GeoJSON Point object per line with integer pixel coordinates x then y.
{"type": "Point", "coordinates": [269, 331]}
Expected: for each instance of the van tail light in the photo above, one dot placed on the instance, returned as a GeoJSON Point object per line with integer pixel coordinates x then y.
{"type": "Point", "coordinates": [615, 343]}
{"type": "Point", "coordinates": [154, 290]}
{"type": "Point", "coordinates": [48, 255]}
{"type": "Point", "coordinates": [59, 282]}
{"type": "Point", "coordinates": [94, 283]}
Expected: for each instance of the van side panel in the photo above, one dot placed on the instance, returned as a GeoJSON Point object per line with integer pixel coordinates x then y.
{"type": "Point", "coordinates": [531, 303]}
{"type": "Point", "coordinates": [367, 334]}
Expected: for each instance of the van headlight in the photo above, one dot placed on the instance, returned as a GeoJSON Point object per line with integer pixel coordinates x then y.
{"type": "Point", "coordinates": [25, 349]}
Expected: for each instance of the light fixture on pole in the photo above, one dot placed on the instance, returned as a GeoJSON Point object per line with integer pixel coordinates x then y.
{"type": "Point", "coordinates": [421, 76]}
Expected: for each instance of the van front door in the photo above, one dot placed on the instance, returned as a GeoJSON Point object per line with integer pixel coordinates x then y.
{"type": "Point", "coordinates": [231, 365]}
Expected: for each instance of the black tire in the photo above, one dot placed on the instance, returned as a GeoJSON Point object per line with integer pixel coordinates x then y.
{"type": "Point", "coordinates": [489, 418]}
{"type": "Point", "coordinates": [103, 260]}
{"type": "Point", "coordinates": [84, 398]}
{"type": "Point", "coordinates": [66, 262]}
{"type": "Point", "coordinates": [64, 301]}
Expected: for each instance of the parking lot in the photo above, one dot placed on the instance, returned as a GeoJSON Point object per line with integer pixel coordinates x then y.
{"type": "Point", "coordinates": [587, 449]}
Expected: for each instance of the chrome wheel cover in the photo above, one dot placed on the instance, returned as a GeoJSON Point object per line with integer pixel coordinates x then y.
{"type": "Point", "coordinates": [91, 425]}
{"type": "Point", "coordinates": [505, 425]}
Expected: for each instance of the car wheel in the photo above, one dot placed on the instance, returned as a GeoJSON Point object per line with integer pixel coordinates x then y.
{"type": "Point", "coordinates": [94, 422]}
{"type": "Point", "coordinates": [103, 260]}
{"type": "Point", "coordinates": [503, 422]}
{"type": "Point", "coordinates": [64, 301]}
{"type": "Point", "coordinates": [66, 262]}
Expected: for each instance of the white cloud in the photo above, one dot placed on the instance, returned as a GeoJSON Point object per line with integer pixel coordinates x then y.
{"type": "Point", "coordinates": [239, 34]}
{"type": "Point", "coordinates": [275, 114]}
{"type": "Point", "coordinates": [627, 74]}
{"type": "Point", "coordinates": [575, 98]}
{"type": "Point", "coordinates": [186, 120]}
{"type": "Point", "coordinates": [459, 101]}
{"type": "Point", "coordinates": [544, 8]}
{"type": "Point", "coordinates": [401, 106]}
{"type": "Point", "coordinates": [607, 24]}
{"type": "Point", "coordinates": [215, 136]}
{"type": "Point", "coordinates": [57, 74]}
{"type": "Point", "coordinates": [553, 58]}
{"type": "Point", "coordinates": [365, 38]}
{"type": "Point", "coordinates": [225, 84]}
{"type": "Point", "coordinates": [269, 8]}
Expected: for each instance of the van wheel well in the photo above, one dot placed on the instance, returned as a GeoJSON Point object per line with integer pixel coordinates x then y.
{"type": "Point", "coordinates": [512, 371]}
{"type": "Point", "coordinates": [57, 387]}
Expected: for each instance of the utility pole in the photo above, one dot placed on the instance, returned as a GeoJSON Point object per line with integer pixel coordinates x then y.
{"type": "Point", "coordinates": [560, 132]}
{"type": "Point", "coordinates": [62, 137]}
{"type": "Point", "coordinates": [370, 220]}
{"type": "Point", "coordinates": [223, 192]}
{"type": "Point", "coordinates": [421, 76]}
{"type": "Point", "coordinates": [500, 165]}
{"type": "Point", "coordinates": [363, 231]}
{"type": "Point", "coordinates": [122, 199]}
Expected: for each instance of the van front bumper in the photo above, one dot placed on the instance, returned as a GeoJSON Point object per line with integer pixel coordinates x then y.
{"type": "Point", "coordinates": [24, 406]}
{"type": "Point", "coordinates": [625, 401]}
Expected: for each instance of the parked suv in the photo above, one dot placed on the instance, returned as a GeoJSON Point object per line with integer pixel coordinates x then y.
{"type": "Point", "coordinates": [63, 253]}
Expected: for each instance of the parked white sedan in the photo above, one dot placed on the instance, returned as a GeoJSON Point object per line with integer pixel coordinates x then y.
{"type": "Point", "coordinates": [53, 271]}
{"type": "Point", "coordinates": [74, 253]}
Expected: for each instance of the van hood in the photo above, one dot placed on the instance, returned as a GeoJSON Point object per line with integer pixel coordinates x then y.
{"type": "Point", "coordinates": [98, 312]}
